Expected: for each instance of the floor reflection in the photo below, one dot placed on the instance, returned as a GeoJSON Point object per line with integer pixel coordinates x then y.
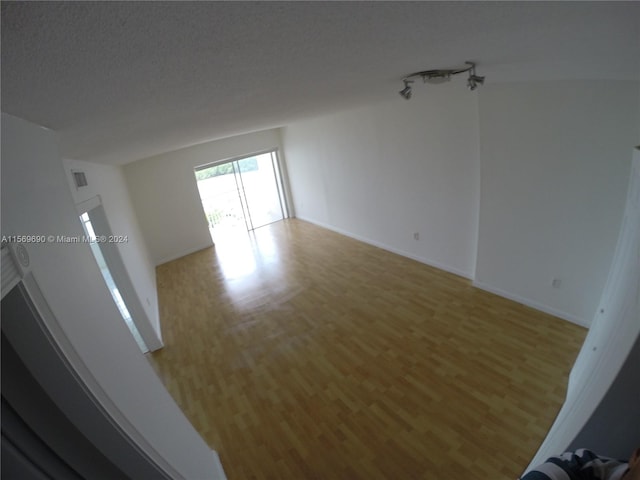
{"type": "Point", "coordinates": [235, 252]}
{"type": "Point", "coordinates": [251, 265]}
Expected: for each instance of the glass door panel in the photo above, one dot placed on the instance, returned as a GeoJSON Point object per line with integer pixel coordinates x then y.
{"type": "Point", "coordinates": [221, 199]}
{"type": "Point", "coordinates": [260, 188]}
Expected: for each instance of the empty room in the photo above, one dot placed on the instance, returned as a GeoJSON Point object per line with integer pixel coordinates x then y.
{"type": "Point", "coordinates": [318, 240]}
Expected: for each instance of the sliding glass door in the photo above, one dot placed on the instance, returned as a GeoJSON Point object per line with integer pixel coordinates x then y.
{"type": "Point", "coordinates": [257, 177]}
{"type": "Point", "coordinates": [244, 193]}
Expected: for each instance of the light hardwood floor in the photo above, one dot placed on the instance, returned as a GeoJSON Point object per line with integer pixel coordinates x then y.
{"type": "Point", "coordinates": [304, 354]}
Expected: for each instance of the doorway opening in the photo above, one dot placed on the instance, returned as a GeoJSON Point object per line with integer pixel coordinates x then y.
{"type": "Point", "coordinates": [241, 195]}
{"type": "Point", "coordinates": [108, 278]}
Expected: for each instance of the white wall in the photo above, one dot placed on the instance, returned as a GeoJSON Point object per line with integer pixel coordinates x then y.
{"type": "Point", "coordinates": [165, 195]}
{"type": "Point", "coordinates": [108, 182]}
{"type": "Point", "coordinates": [382, 172]}
{"type": "Point", "coordinates": [555, 165]}
{"type": "Point", "coordinates": [36, 200]}
{"type": "Point", "coordinates": [597, 380]}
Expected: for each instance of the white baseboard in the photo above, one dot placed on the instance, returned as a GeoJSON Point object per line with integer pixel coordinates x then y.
{"type": "Point", "coordinates": [531, 303]}
{"type": "Point", "coordinates": [172, 257]}
{"type": "Point", "coordinates": [389, 248]}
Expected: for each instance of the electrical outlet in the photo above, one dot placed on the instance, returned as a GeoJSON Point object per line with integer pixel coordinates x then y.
{"type": "Point", "coordinates": [416, 236]}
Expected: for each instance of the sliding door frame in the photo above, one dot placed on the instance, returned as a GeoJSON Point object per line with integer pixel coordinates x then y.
{"type": "Point", "coordinates": [279, 174]}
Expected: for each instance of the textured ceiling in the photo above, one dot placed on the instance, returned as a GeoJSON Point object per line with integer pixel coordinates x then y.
{"type": "Point", "coordinates": [124, 80]}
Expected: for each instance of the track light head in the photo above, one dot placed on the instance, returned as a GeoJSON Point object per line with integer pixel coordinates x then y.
{"type": "Point", "coordinates": [406, 91]}
{"type": "Point", "coordinates": [474, 81]}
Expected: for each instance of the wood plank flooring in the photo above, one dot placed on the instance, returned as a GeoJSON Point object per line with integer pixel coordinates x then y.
{"type": "Point", "coordinates": [304, 354]}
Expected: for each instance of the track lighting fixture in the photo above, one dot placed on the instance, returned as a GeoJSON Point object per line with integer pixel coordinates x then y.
{"type": "Point", "coordinates": [441, 76]}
